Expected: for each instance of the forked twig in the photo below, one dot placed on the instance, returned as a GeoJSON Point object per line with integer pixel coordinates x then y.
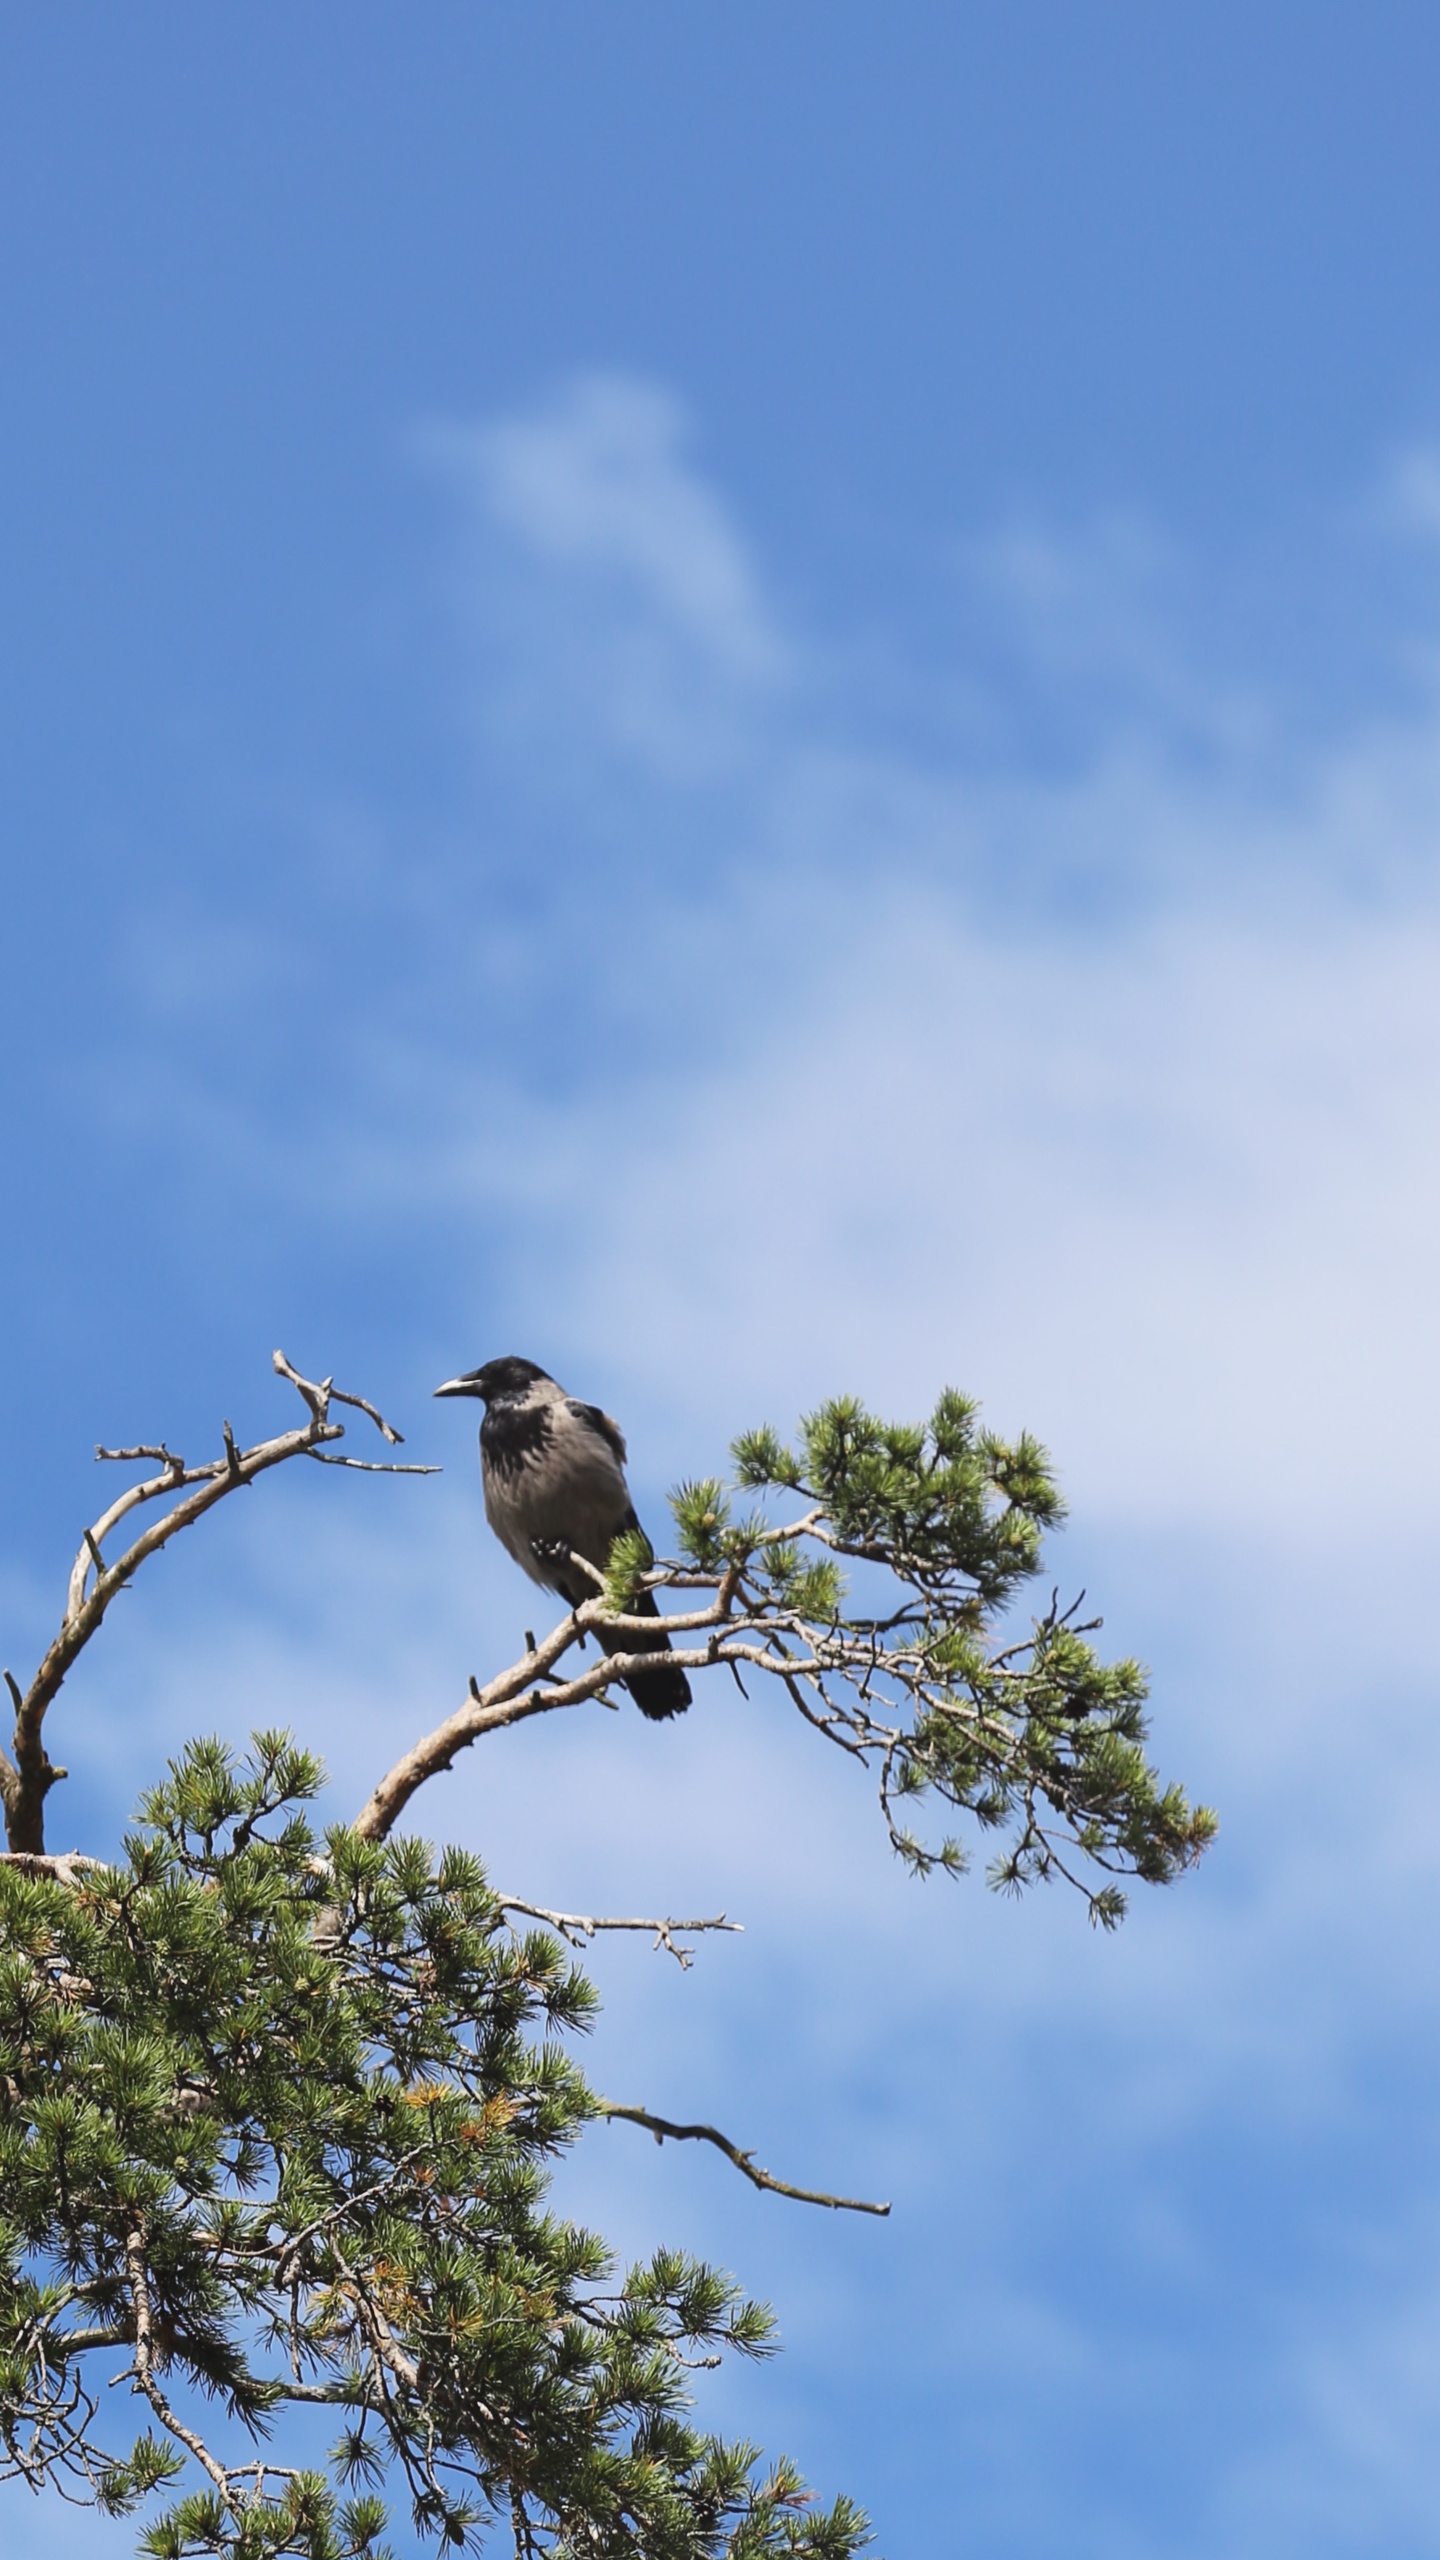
{"type": "Point", "coordinates": [578, 1927]}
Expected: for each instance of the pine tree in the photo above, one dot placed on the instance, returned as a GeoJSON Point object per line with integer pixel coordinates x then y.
{"type": "Point", "coordinates": [277, 2106]}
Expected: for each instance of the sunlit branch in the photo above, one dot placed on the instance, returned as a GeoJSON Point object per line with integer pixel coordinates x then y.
{"type": "Point", "coordinates": [579, 1927]}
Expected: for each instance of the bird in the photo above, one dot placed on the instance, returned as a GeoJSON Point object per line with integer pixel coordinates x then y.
{"type": "Point", "coordinates": [553, 1472]}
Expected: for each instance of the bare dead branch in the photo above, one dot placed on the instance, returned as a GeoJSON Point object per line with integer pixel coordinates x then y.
{"type": "Point", "coordinates": [144, 1449]}
{"type": "Point", "coordinates": [744, 2161]}
{"type": "Point", "coordinates": [395, 1438]}
{"type": "Point", "coordinates": [27, 1777]}
{"type": "Point", "coordinates": [373, 1466]}
{"type": "Point", "coordinates": [65, 1868]}
{"type": "Point", "coordinates": [321, 1397]}
{"type": "Point", "coordinates": [316, 1396]}
{"type": "Point", "coordinates": [578, 1927]}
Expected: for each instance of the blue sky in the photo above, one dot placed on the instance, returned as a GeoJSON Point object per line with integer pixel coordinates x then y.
{"type": "Point", "coordinates": [751, 700]}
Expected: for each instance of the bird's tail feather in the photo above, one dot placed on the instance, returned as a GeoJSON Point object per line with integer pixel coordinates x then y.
{"type": "Point", "coordinates": [660, 1693]}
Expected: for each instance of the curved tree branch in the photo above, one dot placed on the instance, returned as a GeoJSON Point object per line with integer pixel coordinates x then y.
{"type": "Point", "coordinates": [27, 1777]}
{"type": "Point", "coordinates": [513, 1695]}
{"type": "Point", "coordinates": [143, 2369]}
{"type": "Point", "coordinates": [744, 2161]}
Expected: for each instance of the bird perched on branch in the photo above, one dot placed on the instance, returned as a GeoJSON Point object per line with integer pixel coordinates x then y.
{"type": "Point", "coordinates": [553, 1471]}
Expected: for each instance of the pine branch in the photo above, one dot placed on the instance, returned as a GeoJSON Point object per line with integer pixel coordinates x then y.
{"type": "Point", "coordinates": [1039, 1735]}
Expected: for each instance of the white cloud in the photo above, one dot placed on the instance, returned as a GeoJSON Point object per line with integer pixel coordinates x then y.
{"type": "Point", "coordinates": [1116, 1096]}
{"type": "Point", "coordinates": [602, 483]}
{"type": "Point", "coordinates": [1410, 491]}
{"type": "Point", "coordinates": [637, 598]}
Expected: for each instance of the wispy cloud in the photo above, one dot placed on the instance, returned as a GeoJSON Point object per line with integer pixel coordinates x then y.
{"type": "Point", "coordinates": [638, 597]}
{"type": "Point", "coordinates": [1410, 490]}
{"type": "Point", "coordinates": [1116, 1094]}
{"type": "Point", "coordinates": [602, 485]}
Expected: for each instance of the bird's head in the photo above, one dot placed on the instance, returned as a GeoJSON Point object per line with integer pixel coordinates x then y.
{"type": "Point", "coordinates": [507, 1377]}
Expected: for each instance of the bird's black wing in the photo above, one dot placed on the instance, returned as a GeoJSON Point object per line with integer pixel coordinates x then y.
{"type": "Point", "coordinates": [609, 1431]}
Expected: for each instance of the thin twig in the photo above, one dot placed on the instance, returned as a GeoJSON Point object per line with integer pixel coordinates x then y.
{"type": "Point", "coordinates": [744, 2161]}
{"type": "Point", "coordinates": [579, 1926]}
{"type": "Point", "coordinates": [395, 1438]}
{"type": "Point", "coordinates": [372, 1466]}
{"type": "Point", "coordinates": [320, 1398]}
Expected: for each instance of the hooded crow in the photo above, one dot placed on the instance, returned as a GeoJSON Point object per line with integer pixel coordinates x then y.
{"type": "Point", "coordinates": [554, 1478]}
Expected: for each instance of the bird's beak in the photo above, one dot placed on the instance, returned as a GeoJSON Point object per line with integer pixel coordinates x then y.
{"type": "Point", "coordinates": [458, 1387]}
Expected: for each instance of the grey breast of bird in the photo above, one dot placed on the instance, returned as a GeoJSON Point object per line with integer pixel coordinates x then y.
{"type": "Point", "coordinates": [553, 1475]}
